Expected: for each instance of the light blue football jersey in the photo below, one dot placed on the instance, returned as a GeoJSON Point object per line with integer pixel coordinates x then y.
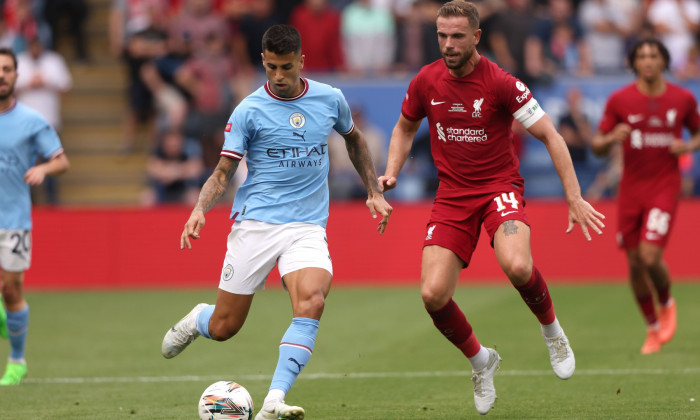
{"type": "Point", "coordinates": [24, 136]}
{"type": "Point", "coordinates": [285, 143]}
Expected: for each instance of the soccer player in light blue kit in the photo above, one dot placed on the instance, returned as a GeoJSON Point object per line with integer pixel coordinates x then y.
{"type": "Point", "coordinates": [24, 136]}
{"type": "Point", "coordinates": [279, 212]}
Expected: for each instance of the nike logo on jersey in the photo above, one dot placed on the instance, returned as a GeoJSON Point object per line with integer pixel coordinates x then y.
{"type": "Point", "coordinates": [506, 213]}
{"type": "Point", "coordinates": [432, 102]}
{"type": "Point", "coordinates": [635, 118]}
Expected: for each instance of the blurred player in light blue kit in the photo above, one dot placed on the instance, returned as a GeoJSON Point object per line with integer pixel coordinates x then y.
{"type": "Point", "coordinates": [24, 137]}
{"type": "Point", "coordinates": [280, 211]}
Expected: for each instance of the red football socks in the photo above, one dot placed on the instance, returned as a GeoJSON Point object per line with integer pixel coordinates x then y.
{"type": "Point", "coordinates": [452, 323]}
{"type": "Point", "coordinates": [536, 296]}
{"type": "Point", "coordinates": [646, 304]}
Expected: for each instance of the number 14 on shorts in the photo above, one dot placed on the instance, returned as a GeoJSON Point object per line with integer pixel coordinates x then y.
{"type": "Point", "coordinates": [507, 198]}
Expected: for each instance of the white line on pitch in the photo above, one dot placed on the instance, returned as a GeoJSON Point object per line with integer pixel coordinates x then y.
{"type": "Point", "coordinates": [356, 375]}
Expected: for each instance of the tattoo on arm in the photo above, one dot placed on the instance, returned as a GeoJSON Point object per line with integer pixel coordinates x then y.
{"type": "Point", "coordinates": [510, 228]}
{"type": "Point", "coordinates": [362, 161]}
{"type": "Point", "coordinates": [215, 186]}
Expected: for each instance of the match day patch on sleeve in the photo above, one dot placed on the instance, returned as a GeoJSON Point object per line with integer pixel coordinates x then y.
{"type": "Point", "coordinates": [228, 127]}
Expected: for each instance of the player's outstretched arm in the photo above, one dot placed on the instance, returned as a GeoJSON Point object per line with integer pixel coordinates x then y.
{"type": "Point", "coordinates": [362, 160]}
{"type": "Point", "coordinates": [580, 211]}
{"type": "Point", "coordinates": [399, 149]}
{"type": "Point", "coordinates": [211, 192]}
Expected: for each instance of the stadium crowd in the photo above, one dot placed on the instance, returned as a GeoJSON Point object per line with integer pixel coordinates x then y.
{"type": "Point", "coordinates": [191, 61]}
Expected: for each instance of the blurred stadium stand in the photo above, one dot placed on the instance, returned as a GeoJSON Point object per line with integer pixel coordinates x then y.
{"type": "Point", "coordinates": [93, 114]}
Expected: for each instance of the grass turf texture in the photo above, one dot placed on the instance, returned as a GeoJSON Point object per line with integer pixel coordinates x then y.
{"type": "Point", "coordinates": [97, 355]}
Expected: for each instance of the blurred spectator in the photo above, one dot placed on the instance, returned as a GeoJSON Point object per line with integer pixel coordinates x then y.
{"type": "Point", "coordinates": [691, 69]}
{"type": "Point", "coordinates": [284, 8]}
{"type": "Point", "coordinates": [607, 24]}
{"type": "Point", "coordinates": [209, 79]}
{"type": "Point", "coordinates": [489, 10]}
{"type": "Point", "coordinates": [194, 23]}
{"type": "Point", "coordinates": [42, 77]}
{"type": "Point", "coordinates": [510, 29]}
{"type": "Point", "coordinates": [566, 50]}
{"type": "Point", "coordinates": [319, 26]}
{"type": "Point", "coordinates": [607, 178]}
{"type": "Point", "coordinates": [575, 128]}
{"type": "Point", "coordinates": [77, 12]}
{"type": "Point", "coordinates": [249, 29]}
{"type": "Point", "coordinates": [416, 37]}
{"type": "Point", "coordinates": [138, 34]}
{"type": "Point", "coordinates": [369, 38]}
{"type": "Point", "coordinates": [24, 18]}
{"type": "Point", "coordinates": [174, 169]}
{"type": "Point", "coordinates": [676, 23]}
{"type": "Point", "coordinates": [7, 36]}
{"type": "Point", "coordinates": [170, 104]}
{"type": "Point", "coordinates": [343, 181]}
{"type": "Point", "coordinates": [550, 45]}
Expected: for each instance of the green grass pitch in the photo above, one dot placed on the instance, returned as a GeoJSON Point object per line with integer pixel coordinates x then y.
{"type": "Point", "coordinates": [96, 355]}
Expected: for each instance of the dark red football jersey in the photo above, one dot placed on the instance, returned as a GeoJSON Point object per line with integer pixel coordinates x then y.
{"type": "Point", "coordinates": [470, 124]}
{"type": "Point", "coordinates": [649, 167]}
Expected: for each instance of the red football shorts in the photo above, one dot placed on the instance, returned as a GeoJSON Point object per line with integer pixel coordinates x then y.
{"type": "Point", "coordinates": [455, 222]}
{"type": "Point", "coordinates": [647, 219]}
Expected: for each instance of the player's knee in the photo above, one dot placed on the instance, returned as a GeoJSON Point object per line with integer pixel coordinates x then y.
{"type": "Point", "coordinates": [649, 259]}
{"type": "Point", "coordinates": [434, 298]}
{"type": "Point", "coordinates": [518, 270]}
{"type": "Point", "coordinates": [11, 292]}
{"type": "Point", "coordinates": [312, 306]}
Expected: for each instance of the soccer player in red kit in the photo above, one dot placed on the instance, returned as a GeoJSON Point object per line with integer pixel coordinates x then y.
{"type": "Point", "coordinates": [470, 104]}
{"type": "Point", "coordinates": [647, 118]}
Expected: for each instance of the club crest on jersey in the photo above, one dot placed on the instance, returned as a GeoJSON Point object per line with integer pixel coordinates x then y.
{"type": "Point", "coordinates": [297, 120]}
{"type": "Point", "coordinates": [477, 108]}
{"type": "Point", "coordinates": [429, 236]}
{"type": "Point", "coordinates": [671, 117]}
{"type": "Point", "coordinates": [227, 273]}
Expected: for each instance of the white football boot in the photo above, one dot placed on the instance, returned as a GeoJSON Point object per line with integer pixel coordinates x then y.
{"type": "Point", "coordinates": [278, 410]}
{"type": "Point", "coordinates": [560, 355]}
{"type": "Point", "coordinates": [484, 391]}
{"type": "Point", "coordinates": [181, 334]}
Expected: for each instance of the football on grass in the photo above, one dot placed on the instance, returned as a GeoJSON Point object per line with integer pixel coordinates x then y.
{"type": "Point", "coordinates": [225, 400]}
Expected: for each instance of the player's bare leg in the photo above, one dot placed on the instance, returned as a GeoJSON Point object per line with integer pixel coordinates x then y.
{"type": "Point", "coordinates": [439, 274]}
{"type": "Point", "coordinates": [17, 322]}
{"type": "Point", "coordinates": [652, 258]}
{"type": "Point", "coordinates": [308, 289]}
{"type": "Point", "coordinates": [644, 295]}
{"type": "Point", "coordinates": [512, 247]}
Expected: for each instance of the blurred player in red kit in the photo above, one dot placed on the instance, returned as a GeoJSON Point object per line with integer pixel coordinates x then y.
{"type": "Point", "coordinates": [647, 118]}
{"type": "Point", "coordinates": [470, 104]}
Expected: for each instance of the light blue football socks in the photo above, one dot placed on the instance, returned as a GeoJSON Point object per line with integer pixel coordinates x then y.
{"type": "Point", "coordinates": [295, 351]}
{"type": "Point", "coordinates": [203, 321]}
{"type": "Point", "coordinates": [17, 323]}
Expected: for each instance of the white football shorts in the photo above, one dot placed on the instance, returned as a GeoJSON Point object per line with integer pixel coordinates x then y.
{"type": "Point", "coordinates": [15, 250]}
{"type": "Point", "coordinates": [254, 247]}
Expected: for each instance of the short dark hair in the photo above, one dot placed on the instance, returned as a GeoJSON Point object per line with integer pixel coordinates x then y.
{"type": "Point", "coordinates": [11, 53]}
{"type": "Point", "coordinates": [460, 8]}
{"type": "Point", "coordinates": [281, 40]}
{"type": "Point", "coordinates": [632, 55]}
